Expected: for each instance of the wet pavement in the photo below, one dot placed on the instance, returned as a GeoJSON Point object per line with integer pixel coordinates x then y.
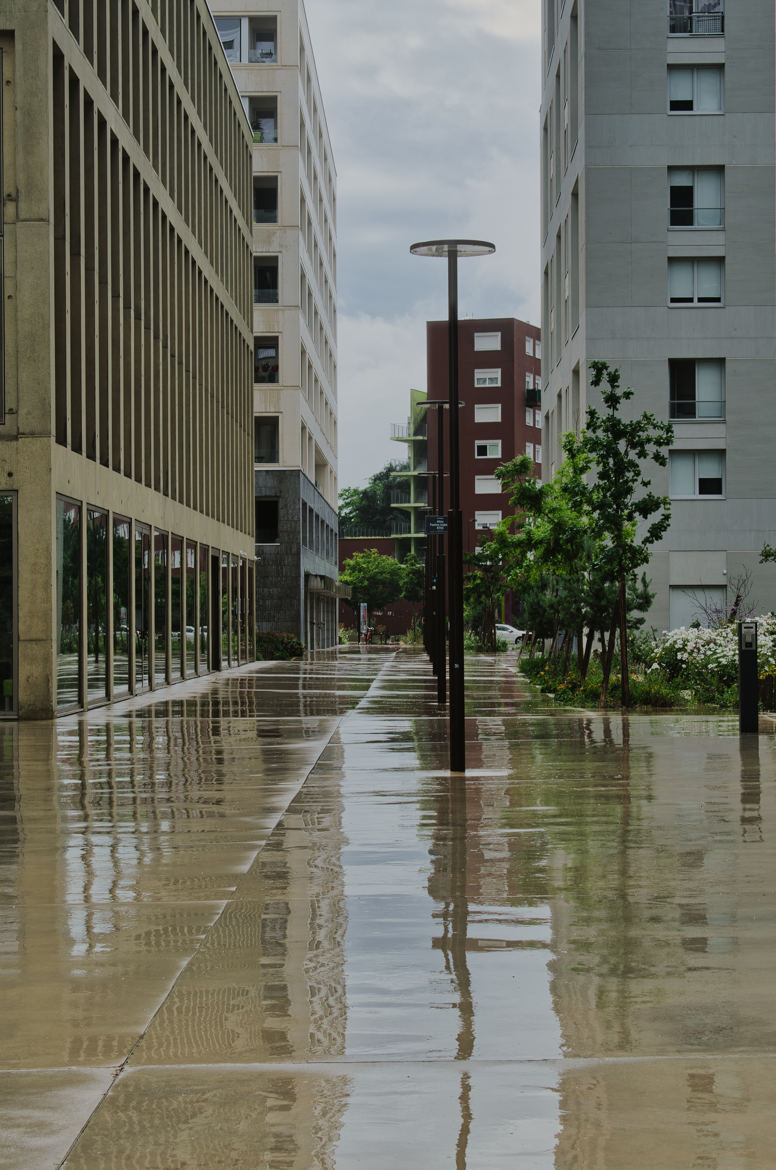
{"type": "Point", "coordinates": [254, 923]}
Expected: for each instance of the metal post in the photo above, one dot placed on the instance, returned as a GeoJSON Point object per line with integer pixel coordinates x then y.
{"type": "Point", "coordinates": [439, 542]}
{"type": "Point", "coordinates": [748, 697]}
{"type": "Point", "coordinates": [457, 737]}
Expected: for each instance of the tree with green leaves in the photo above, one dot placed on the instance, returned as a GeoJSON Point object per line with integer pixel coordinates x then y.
{"type": "Point", "coordinates": [370, 507]}
{"type": "Point", "coordinates": [413, 578]}
{"type": "Point", "coordinates": [627, 515]}
{"type": "Point", "coordinates": [373, 578]}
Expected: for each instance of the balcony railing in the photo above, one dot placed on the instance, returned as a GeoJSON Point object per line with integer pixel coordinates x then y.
{"type": "Point", "coordinates": [698, 24]}
{"type": "Point", "coordinates": [696, 217]}
{"type": "Point", "coordinates": [533, 396]}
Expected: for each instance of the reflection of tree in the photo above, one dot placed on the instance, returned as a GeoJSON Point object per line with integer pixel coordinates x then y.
{"type": "Point", "coordinates": [69, 578]}
{"type": "Point", "coordinates": [96, 582]}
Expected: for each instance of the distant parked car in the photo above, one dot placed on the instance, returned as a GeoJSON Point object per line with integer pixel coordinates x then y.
{"type": "Point", "coordinates": [509, 634]}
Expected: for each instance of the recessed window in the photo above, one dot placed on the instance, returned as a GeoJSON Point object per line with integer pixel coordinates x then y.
{"type": "Point", "coordinates": [486, 485]}
{"type": "Point", "coordinates": [537, 381]}
{"type": "Point", "coordinates": [487, 377]}
{"type": "Point", "coordinates": [529, 450]}
{"type": "Point", "coordinates": [265, 198]}
{"type": "Point", "coordinates": [489, 449]}
{"type": "Point", "coordinates": [529, 345]}
{"type": "Point", "coordinates": [266, 290]}
{"type": "Point", "coordinates": [695, 197]}
{"type": "Point", "coordinates": [228, 29]}
{"type": "Point", "coordinates": [483, 520]}
{"type": "Point", "coordinates": [538, 418]}
{"type": "Point", "coordinates": [538, 453]}
{"type": "Point", "coordinates": [695, 89]}
{"type": "Point", "coordinates": [487, 341]}
{"type": "Point", "coordinates": [529, 416]}
{"type": "Point", "coordinates": [697, 388]}
{"type": "Point", "coordinates": [537, 348]}
{"type": "Point", "coordinates": [695, 474]}
{"type": "Point", "coordinates": [529, 380]}
{"type": "Point", "coordinates": [487, 412]}
{"type": "Point", "coordinates": [266, 436]}
{"type": "Point", "coordinates": [266, 360]}
{"type": "Point", "coordinates": [267, 528]}
{"type": "Point", "coordinates": [696, 17]}
{"type": "Point", "coordinates": [263, 117]}
{"type": "Point", "coordinates": [263, 40]}
{"type": "Point", "coordinates": [695, 281]}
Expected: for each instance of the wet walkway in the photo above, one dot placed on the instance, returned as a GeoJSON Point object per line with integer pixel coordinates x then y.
{"type": "Point", "coordinates": [254, 924]}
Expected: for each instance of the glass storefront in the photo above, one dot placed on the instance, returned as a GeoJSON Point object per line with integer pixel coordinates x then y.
{"type": "Point", "coordinates": [177, 643]}
{"type": "Point", "coordinates": [7, 601]}
{"type": "Point", "coordinates": [204, 610]}
{"type": "Point", "coordinates": [142, 607]}
{"type": "Point", "coordinates": [190, 614]}
{"type": "Point", "coordinates": [68, 603]}
{"type": "Point", "coordinates": [226, 613]}
{"type": "Point", "coordinates": [96, 604]}
{"type": "Point", "coordinates": [160, 608]}
{"type": "Point", "coordinates": [121, 604]}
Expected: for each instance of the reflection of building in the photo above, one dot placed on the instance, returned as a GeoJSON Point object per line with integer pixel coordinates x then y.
{"type": "Point", "coordinates": [125, 420]}
{"type": "Point", "coordinates": [657, 221]}
{"type": "Point", "coordinates": [294, 316]}
{"type": "Point", "coordinates": [500, 414]}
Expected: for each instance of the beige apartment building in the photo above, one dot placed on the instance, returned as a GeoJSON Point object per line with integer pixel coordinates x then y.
{"type": "Point", "coordinates": [267, 44]}
{"type": "Point", "coordinates": [126, 422]}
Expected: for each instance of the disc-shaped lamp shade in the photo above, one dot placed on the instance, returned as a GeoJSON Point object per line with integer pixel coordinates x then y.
{"type": "Point", "coordinates": [459, 247]}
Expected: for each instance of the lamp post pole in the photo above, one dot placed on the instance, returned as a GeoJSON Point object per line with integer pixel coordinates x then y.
{"type": "Point", "coordinates": [452, 249]}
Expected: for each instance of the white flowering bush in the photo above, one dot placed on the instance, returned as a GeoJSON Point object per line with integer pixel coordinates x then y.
{"type": "Point", "coordinates": [705, 659]}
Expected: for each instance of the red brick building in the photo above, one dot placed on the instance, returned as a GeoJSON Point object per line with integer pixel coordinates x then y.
{"type": "Point", "coordinates": [501, 416]}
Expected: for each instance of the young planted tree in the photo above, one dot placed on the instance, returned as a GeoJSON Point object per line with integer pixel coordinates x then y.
{"type": "Point", "coordinates": [373, 578]}
{"type": "Point", "coordinates": [627, 516]}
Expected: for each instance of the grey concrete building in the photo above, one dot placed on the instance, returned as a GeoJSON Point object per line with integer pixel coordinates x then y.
{"type": "Point", "coordinates": [267, 44]}
{"type": "Point", "coordinates": [126, 512]}
{"type": "Point", "coordinates": [658, 257]}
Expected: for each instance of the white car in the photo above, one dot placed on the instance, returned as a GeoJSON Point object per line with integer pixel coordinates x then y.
{"type": "Point", "coordinates": [509, 634]}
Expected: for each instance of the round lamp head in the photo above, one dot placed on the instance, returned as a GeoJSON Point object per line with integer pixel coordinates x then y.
{"type": "Point", "coordinates": [450, 247]}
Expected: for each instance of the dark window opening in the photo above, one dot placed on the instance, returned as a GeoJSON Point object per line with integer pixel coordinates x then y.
{"type": "Point", "coordinates": [266, 360]}
{"type": "Point", "coordinates": [266, 521]}
{"type": "Point", "coordinates": [265, 199]}
{"type": "Point", "coordinates": [266, 432]}
{"type": "Point", "coordinates": [265, 280]}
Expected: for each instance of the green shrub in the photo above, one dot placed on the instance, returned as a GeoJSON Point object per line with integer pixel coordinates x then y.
{"type": "Point", "coordinates": [273, 644]}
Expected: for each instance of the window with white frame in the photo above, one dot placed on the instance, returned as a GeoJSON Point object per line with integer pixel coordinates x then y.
{"type": "Point", "coordinates": [487, 341]}
{"type": "Point", "coordinates": [537, 348]}
{"type": "Point", "coordinates": [487, 449]}
{"type": "Point", "coordinates": [529, 345]}
{"type": "Point", "coordinates": [696, 281]}
{"type": "Point", "coordinates": [538, 381]}
{"type": "Point", "coordinates": [538, 453]}
{"type": "Point", "coordinates": [529, 380]}
{"type": "Point", "coordinates": [486, 519]}
{"type": "Point", "coordinates": [487, 412]}
{"type": "Point", "coordinates": [529, 416]}
{"type": "Point", "coordinates": [486, 485]}
{"type": "Point", "coordinates": [695, 89]}
{"type": "Point", "coordinates": [696, 197]}
{"type": "Point", "coordinates": [696, 474]}
{"type": "Point", "coordinates": [487, 377]}
{"type": "Point", "coordinates": [538, 419]}
{"type": "Point", "coordinates": [529, 449]}
{"type": "Point", "coordinates": [696, 388]}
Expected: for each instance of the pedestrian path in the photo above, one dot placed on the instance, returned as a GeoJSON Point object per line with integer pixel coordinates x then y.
{"type": "Point", "coordinates": [254, 923]}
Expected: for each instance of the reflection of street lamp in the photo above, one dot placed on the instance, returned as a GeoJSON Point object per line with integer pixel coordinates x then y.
{"type": "Point", "coordinates": [452, 249]}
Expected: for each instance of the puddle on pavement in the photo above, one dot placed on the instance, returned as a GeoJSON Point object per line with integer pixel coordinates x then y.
{"type": "Point", "coordinates": [564, 960]}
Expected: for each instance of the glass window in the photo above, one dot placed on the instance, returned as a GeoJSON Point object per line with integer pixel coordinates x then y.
{"type": "Point", "coordinates": [487, 377]}
{"type": "Point", "coordinates": [529, 416]}
{"type": "Point", "coordinates": [96, 603]}
{"type": "Point", "coordinates": [68, 603]}
{"type": "Point", "coordinates": [161, 594]}
{"type": "Point", "coordinates": [204, 609]}
{"type": "Point", "coordinates": [696, 197]}
{"type": "Point", "coordinates": [529, 380]}
{"type": "Point", "coordinates": [190, 612]}
{"type": "Point", "coordinates": [697, 388]}
{"type": "Point", "coordinates": [537, 348]}
{"type": "Point", "coordinates": [142, 606]}
{"type": "Point", "coordinates": [538, 453]}
{"type": "Point", "coordinates": [266, 290]}
{"type": "Point", "coordinates": [486, 519]}
{"type": "Point", "coordinates": [266, 360]}
{"type": "Point", "coordinates": [486, 485]}
{"type": "Point", "coordinates": [7, 600]}
{"type": "Point", "coordinates": [529, 345]}
{"type": "Point", "coordinates": [695, 89]}
{"type": "Point", "coordinates": [695, 281]}
{"type": "Point", "coordinates": [697, 473]}
{"type": "Point", "coordinates": [228, 29]}
{"type": "Point", "coordinates": [265, 198]}
{"type": "Point", "coordinates": [529, 449]}
{"type": "Point", "coordinates": [696, 17]}
{"type": "Point", "coordinates": [177, 647]}
{"type": "Point", "coordinates": [263, 40]}
{"type": "Point", "coordinates": [121, 586]}
{"type": "Point", "coordinates": [489, 449]}
{"type": "Point", "coordinates": [538, 418]}
{"type": "Point", "coordinates": [266, 435]}
{"type": "Point", "coordinates": [263, 117]}
{"type": "Point", "coordinates": [483, 341]}
{"type": "Point", "coordinates": [487, 412]}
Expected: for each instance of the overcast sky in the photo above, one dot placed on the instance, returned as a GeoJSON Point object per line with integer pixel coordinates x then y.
{"type": "Point", "coordinates": [432, 107]}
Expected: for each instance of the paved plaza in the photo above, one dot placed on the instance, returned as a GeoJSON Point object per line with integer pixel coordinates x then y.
{"type": "Point", "coordinates": [253, 923]}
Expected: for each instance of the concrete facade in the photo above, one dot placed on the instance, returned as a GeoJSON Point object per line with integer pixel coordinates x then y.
{"type": "Point", "coordinates": [125, 430]}
{"type": "Point", "coordinates": [269, 51]}
{"type": "Point", "coordinates": [658, 244]}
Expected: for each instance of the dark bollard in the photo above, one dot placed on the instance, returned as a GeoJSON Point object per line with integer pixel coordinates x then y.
{"type": "Point", "coordinates": [748, 698]}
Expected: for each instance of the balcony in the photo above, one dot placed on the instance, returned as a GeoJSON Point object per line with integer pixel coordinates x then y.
{"type": "Point", "coordinates": [533, 396]}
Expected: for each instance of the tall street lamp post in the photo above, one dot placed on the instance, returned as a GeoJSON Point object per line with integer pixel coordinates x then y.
{"type": "Point", "coordinates": [452, 249]}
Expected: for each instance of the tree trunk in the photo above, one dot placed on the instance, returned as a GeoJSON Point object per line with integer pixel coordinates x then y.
{"type": "Point", "coordinates": [624, 675]}
{"type": "Point", "coordinates": [586, 658]}
{"type": "Point", "coordinates": [567, 662]}
{"type": "Point", "coordinates": [607, 658]}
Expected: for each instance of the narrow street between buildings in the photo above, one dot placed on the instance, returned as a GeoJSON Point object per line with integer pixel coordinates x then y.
{"type": "Point", "coordinates": [253, 923]}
